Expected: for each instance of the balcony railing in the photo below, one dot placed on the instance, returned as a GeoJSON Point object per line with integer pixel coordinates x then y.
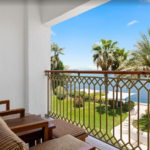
{"type": "Point", "coordinates": [101, 103]}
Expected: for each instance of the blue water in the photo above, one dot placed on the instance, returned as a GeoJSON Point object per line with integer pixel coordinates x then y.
{"type": "Point", "coordinates": [143, 92]}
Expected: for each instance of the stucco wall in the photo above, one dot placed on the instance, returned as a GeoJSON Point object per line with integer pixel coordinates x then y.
{"type": "Point", "coordinates": [11, 53]}
{"type": "Point", "coordinates": [38, 60]}
{"type": "Point", "coordinates": [24, 55]}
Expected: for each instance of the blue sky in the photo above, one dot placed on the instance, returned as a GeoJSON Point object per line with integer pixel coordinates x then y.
{"type": "Point", "coordinates": [118, 20]}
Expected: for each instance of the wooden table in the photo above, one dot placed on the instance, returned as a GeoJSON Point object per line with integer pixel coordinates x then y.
{"type": "Point", "coordinates": [32, 135]}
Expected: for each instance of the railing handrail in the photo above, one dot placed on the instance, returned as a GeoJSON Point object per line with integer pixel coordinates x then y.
{"type": "Point", "coordinates": [98, 72]}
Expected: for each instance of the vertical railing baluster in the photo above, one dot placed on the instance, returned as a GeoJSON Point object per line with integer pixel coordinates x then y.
{"type": "Point", "coordinates": [53, 94]}
{"type": "Point", "coordinates": [148, 120]}
{"type": "Point", "coordinates": [70, 101]}
{"type": "Point", "coordinates": [48, 97]}
{"type": "Point", "coordinates": [138, 118]}
{"type": "Point", "coordinates": [113, 113]}
{"type": "Point", "coordinates": [94, 107]}
{"type": "Point", "coordinates": [57, 96]}
{"type": "Point", "coordinates": [100, 109]}
{"type": "Point", "coordinates": [121, 113]}
{"type": "Point", "coordinates": [75, 102]}
{"type": "Point", "coordinates": [89, 104]}
{"type": "Point", "coordinates": [60, 100]}
{"type": "Point", "coordinates": [84, 104]}
{"type": "Point", "coordinates": [79, 103]}
{"type": "Point", "coordinates": [106, 104]}
{"type": "Point", "coordinates": [67, 98]}
{"type": "Point", "coordinates": [138, 138]}
{"type": "Point", "coordinates": [129, 118]}
{"type": "Point", "coordinates": [64, 99]}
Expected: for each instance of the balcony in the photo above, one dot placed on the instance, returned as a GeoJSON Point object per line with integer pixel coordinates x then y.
{"type": "Point", "coordinates": [103, 106]}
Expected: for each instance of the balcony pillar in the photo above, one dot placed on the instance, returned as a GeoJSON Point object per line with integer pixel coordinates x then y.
{"type": "Point", "coordinates": [36, 59]}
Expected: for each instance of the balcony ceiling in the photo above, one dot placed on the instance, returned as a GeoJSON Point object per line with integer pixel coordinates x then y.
{"type": "Point", "coordinates": [55, 11]}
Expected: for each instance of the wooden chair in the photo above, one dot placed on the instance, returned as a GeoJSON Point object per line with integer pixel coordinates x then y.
{"type": "Point", "coordinates": [64, 143]}
{"type": "Point", "coordinates": [11, 114]}
{"type": "Point", "coordinates": [64, 128]}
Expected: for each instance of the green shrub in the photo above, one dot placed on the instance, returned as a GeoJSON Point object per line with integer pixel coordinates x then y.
{"type": "Point", "coordinates": [78, 102]}
{"type": "Point", "coordinates": [60, 92]}
{"type": "Point", "coordinates": [102, 100]}
{"type": "Point", "coordinates": [146, 111]}
{"type": "Point", "coordinates": [111, 103]}
{"type": "Point", "coordinates": [102, 94]}
{"type": "Point", "coordinates": [126, 105]}
{"type": "Point", "coordinates": [76, 94]}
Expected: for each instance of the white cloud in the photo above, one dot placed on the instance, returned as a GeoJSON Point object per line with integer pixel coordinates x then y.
{"type": "Point", "coordinates": [132, 22]}
{"type": "Point", "coordinates": [145, 1]}
{"type": "Point", "coordinates": [53, 33]}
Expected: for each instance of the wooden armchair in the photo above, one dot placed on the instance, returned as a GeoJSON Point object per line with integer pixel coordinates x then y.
{"type": "Point", "coordinates": [64, 143]}
{"type": "Point", "coordinates": [11, 114]}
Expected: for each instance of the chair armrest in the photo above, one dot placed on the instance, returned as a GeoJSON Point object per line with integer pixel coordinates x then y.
{"type": "Point", "coordinates": [41, 124]}
{"type": "Point", "coordinates": [21, 111]}
{"type": "Point", "coordinates": [88, 147]}
{"type": "Point", "coordinates": [7, 102]}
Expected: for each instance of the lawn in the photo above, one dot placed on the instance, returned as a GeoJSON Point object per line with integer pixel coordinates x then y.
{"type": "Point", "coordinates": [93, 118]}
{"type": "Point", "coordinates": [143, 123]}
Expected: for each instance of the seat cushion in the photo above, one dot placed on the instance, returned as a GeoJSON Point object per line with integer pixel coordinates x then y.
{"type": "Point", "coordinates": [64, 128]}
{"type": "Point", "coordinates": [9, 140]}
{"type": "Point", "coordinates": [13, 116]}
{"type": "Point", "coordinates": [66, 142]}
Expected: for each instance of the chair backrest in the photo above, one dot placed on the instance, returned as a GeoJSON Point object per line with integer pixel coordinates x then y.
{"type": "Point", "coordinates": [9, 140]}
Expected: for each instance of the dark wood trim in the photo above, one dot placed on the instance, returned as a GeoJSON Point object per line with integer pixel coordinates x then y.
{"type": "Point", "coordinates": [7, 102]}
{"type": "Point", "coordinates": [13, 111]}
{"type": "Point", "coordinates": [40, 124]}
{"type": "Point", "coordinates": [82, 137]}
{"type": "Point", "coordinates": [98, 72]}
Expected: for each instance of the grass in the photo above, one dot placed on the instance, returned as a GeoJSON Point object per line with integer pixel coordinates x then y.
{"type": "Point", "coordinates": [95, 116]}
{"type": "Point", "coordinates": [143, 123]}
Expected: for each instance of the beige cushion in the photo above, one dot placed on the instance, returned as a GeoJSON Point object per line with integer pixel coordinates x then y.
{"type": "Point", "coordinates": [9, 140]}
{"type": "Point", "coordinates": [13, 116]}
{"type": "Point", "coordinates": [66, 142]}
{"type": "Point", "coordinates": [64, 128]}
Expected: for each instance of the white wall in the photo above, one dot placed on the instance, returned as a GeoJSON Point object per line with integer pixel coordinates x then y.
{"type": "Point", "coordinates": [11, 53]}
{"type": "Point", "coordinates": [24, 55]}
{"type": "Point", "coordinates": [37, 61]}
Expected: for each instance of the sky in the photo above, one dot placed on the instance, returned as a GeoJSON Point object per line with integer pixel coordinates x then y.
{"type": "Point", "coordinates": [118, 20]}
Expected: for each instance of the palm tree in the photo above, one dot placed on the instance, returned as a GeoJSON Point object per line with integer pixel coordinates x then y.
{"type": "Point", "coordinates": [103, 57]}
{"type": "Point", "coordinates": [139, 58]}
{"type": "Point", "coordinates": [55, 48]}
{"type": "Point", "coordinates": [56, 63]}
{"type": "Point", "coordinates": [119, 57]}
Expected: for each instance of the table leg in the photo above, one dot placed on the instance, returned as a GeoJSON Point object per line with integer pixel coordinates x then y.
{"type": "Point", "coordinates": [50, 134]}
{"type": "Point", "coordinates": [38, 141]}
{"type": "Point", "coordinates": [32, 143]}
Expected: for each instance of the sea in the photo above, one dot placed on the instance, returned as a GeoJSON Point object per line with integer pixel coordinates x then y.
{"type": "Point", "coordinates": [134, 89]}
